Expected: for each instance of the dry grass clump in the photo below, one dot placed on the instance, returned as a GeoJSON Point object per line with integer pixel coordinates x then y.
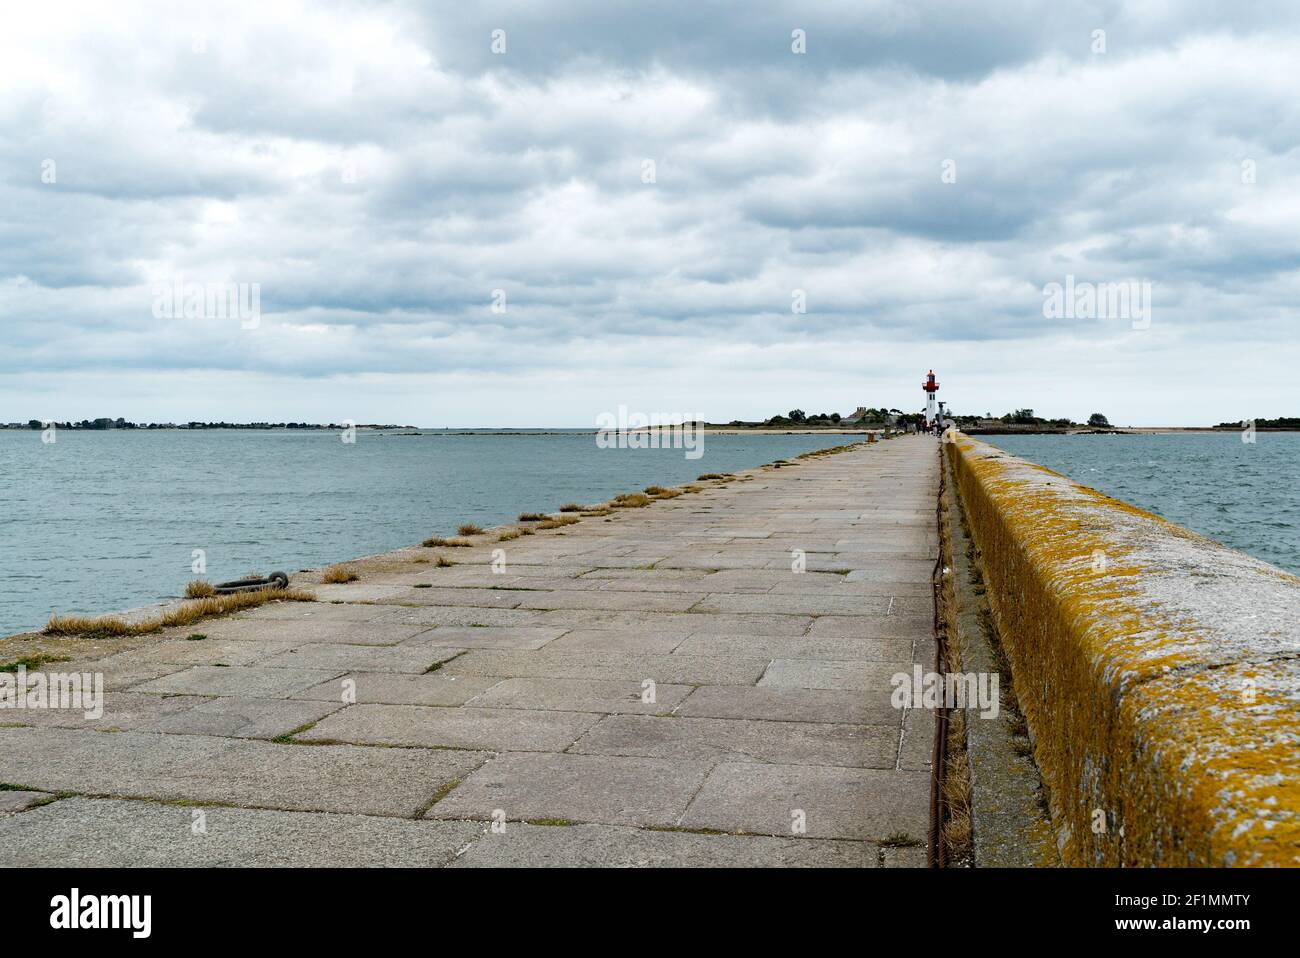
{"type": "Point", "coordinates": [630, 500]}
{"type": "Point", "coordinates": [692, 489]}
{"type": "Point", "coordinates": [668, 494]}
{"type": "Point", "coordinates": [572, 507]}
{"type": "Point", "coordinates": [469, 529]}
{"type": "Point", "coordinates": [199, 589]}
{"type": "Point", "coordinates": [505, 535]}
{"type": "Point", "coordinates": [336, 574]}
{"type": "Point", "coordinates": [111, 626]}
{"type": "Point", "coordinates": [434, 542]}
{"type": "Point", "coordinates": [558, 522]}
{"type": "Point", "coordinates": [101, 626]}
{"type": "Point", "coordinates": [654, 490]}
{"type": "Point", "coordinates": [712, 475]}
{"type": "Point", "coordinates": [533, 517]}
{"type": "Point", "coordinates": [598, 511]}
{"type": "Point", "coordinates": [442, 562]}
{"type": "Point", "coordinates": [957, 791]}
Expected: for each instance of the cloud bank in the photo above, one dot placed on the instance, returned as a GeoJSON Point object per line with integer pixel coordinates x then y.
{"type": "Point", "coordinates": [622, 206]}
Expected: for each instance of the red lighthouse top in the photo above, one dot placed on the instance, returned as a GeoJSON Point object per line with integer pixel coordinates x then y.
{"type": "Point", "coordinates": [930, 385]}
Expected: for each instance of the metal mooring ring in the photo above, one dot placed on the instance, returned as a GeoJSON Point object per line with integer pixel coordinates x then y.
{"type": "Point", "coordinates": [276, 580]}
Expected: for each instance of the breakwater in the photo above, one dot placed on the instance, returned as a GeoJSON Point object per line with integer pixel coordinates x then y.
{"type": "Point", "coordinates": [1158, 670]}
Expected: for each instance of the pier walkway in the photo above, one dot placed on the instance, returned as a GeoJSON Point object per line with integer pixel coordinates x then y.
{"type": "Point", "coordinates": [659, 688]}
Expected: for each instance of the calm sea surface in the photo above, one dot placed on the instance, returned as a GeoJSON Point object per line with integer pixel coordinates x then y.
{"type": "Point", "coordinates": [1244, 495]}
{"type": "Point", "coordinates": [105, 521]}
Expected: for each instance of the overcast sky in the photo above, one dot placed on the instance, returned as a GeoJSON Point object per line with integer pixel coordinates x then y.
{"type": "Point", "coordinates": [921, 173]}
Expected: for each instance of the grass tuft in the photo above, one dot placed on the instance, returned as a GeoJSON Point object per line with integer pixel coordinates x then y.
{"type": "Point", "coordinates": [30, 662]}
{"type": "Point", "coordinates": [111, 626]}
{"type": "Point", "coordinates": [533, 516]}
{"type": "Point", "coordinates": [434, 542]}
{"type": "Point", "coordinates": [469, 529]}
{"type": "Point", "coordinates": [572, 507]}
{"type": "Point", "coordinates": [505, 535]}
{"type": "Point", "coordinates": [442, 562]}
{"type": "Point", "coordinates": [199, 589]}
{"type": "Point", "coordinates": [337, 574]}
{"type": "Point", "coordinates": [630, 500]}
{"type": "Point", "coordinates": [558, 522]}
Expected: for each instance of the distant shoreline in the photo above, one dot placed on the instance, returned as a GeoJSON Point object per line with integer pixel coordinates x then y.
{"type": "Point", "coordinates": [392, 431]}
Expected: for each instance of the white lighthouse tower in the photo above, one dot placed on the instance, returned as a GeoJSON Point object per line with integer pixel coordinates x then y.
{"type": "Point", "coordinates": [931, 402]}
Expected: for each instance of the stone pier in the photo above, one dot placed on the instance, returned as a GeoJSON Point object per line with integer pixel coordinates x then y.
{"type": "Point", "coordinates": [703, 681]}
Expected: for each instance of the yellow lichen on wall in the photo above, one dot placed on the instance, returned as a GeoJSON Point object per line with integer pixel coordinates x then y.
{"type": "Point", "coordinates": [1134, 693]}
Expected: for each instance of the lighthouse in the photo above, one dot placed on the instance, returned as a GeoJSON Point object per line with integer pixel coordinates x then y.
{"type": "Point", "coordinates": [931, 387]}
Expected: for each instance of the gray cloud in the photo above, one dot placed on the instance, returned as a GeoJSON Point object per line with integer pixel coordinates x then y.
{"type": "Point", "coordinates": [379, 173]}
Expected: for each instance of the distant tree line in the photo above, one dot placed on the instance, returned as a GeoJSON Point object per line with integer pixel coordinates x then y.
{"type": "Point", "coordinates": [1282, 422]}
{"type": "Point", "coordinates": [119, 423]}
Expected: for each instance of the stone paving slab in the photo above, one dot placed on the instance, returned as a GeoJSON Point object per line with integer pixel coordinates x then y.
{"type": "Point", "coordinates": [866, 804]}
{"type": "Point", "coordinates": [438, 727]}
{"type": "Point", "coordinates": [482, 598]}
{"type": "Point", "coordinates": [205, 651]}
{"type": "Point", "coordinates": [818, 604]}
{"type": "Point", "coordinates": [121, 712]}
{"type": "Point", "coordinates": [17, 800]}
{"type": "Point", "coordinates": [386, 688]}
{"type": "Point", "coordinates": [881, 627]}
{"type": "Point", "coordinates": [611, 601]}
{"type": "Point", "coordinates": [103, 833]}
{"type": "Point", "coordinates": [684, 622]}
{"type": "Point", "coordinates": [333, 657]}
{"type": "Point", "coordinates": [314, 628]}
{"type": "Point", "coordinates": [611, 640]}
{"type": "Point", "coordinates": [704, 739]}
{"type": "Point", "coordinates": [250, 682]}
{"type": "Point", "coordinates": [586, 788]}
{"type": "Point", "coordinates": [331, 778]}
{"type": "Point", "coordinates": [840, 648]}
{"type": "Point", "coordinates": [777, 704]}
{"type": "Point", "coordinates": [357, 592]}
{"type": "Point", "coordinates": [612, 846]}
{"type": "Point", "coordinates": [242, 717]}
{"type": "Point", "coordinates": [584, 695]}
{"type": "Point", "coordinates": [871, 678]}
{"type": "Point", "coordinates": [123, 670]}
{"type": "Point", "coordinates": [681, 669]}
{"type": "Point", "coordinates": [314, 612]}
{"type": "Point", "coordinates": [473, 617]}
{"type": "Point", "coordinates": [487, 637]}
